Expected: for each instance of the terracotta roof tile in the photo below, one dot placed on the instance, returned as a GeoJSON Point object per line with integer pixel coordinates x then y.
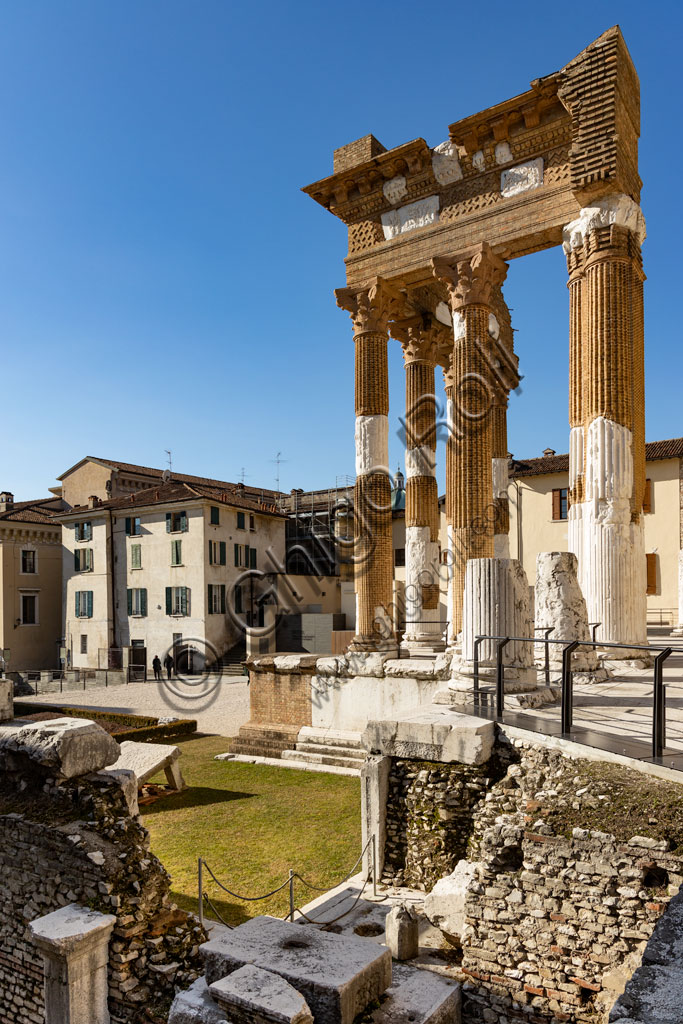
{"type": "Point", "coordinates": [177, 491]}
{"type": "Point", "coordinates": [134, 470]}
{"type": "Point", "coordinates": [670, 449]}
{"type": "Point", "coordinates": [40, 510]}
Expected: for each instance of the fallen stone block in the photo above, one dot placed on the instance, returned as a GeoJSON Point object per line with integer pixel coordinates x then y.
{"type": "Point", "coordinates": [434, 733]}
{"type": "Point", "coordinates": [254, 996]}
{"type": "Point", "coordinates": [195, 1006]}
{"type": "Point", "coordinates": [129, 786]}
{"type": "Point", "coordinates": [419, 997]}
{"type": "Point", "coordinates": [401, 932]}
{"type": "Point", "coordinates": [6, 700]}
{"type": "Point", "coordinates": [445, 904]}
{"type": "Point", "coordinates": [65, 747]}
{"type": "Point", "coordinates": [146, 759]}
{"type": "Point", "coordinates": [338, 975]}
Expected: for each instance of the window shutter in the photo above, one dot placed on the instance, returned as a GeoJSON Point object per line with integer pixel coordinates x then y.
{"type": "Point", "coordinates": [78, 604]}
{"type": "Point", "coordinates": [185, 600]}
{"type": "Point", "coordinates": [89, 592]}
{"type": "Point", "coordinates": [222, 599]}
{"type": "Point", "coordinates": [557, 503]}
{"type": "Point", "coordinates": [183, 522]}
{"type": "Point", "coordinates": [77, 561]}
{"type": "Point", "coordinates": [143, 601]}
{"type": "Point", "coordinates": [210, 605]}
{"type": "Point", "coordinates": [210, 552]}
{"type": "Point", "coordinates": [168, 522]}
{"type": "Point", "coordinates": [129, 593]}
{"type": "Point", "coordinates": [127, 526]}
{"type": "Point", "coordinates": [88, 531]}
{"type": "Point", "coordinates": [169, 601]}
{"type": "Point", "coordinates": [647, 497]}
{"type": "Point", "coordinates": [246, 556]}
{"type": "Point", "coordinates": [222, 552]}
{"type": "Point", "coordinates": [252, 558]}
{"type": "Point", "coordinates": [651, 572]}
{"type": "Point", "coordinates": [237, 554]}
{"type": "Point", "coordinates": [90, 560]}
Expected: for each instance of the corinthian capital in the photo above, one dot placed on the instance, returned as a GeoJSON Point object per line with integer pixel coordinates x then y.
{"type": "Point", "coordinates": [473, 279]}
{"type": "Point", "coordinates": [421, 340]}
{"type": "Point", "coordinates": [370, 308]}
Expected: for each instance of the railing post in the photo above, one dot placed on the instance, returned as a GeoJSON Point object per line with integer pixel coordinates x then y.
{"type": "Point", "coordinates": [567, 694]}
{"type": "Point", "coordinates": [477, 642]}
{"type": "Point", "coordinates": [200, 887]}
{"type": "Point", "coordinates": [547, 631]}
{"type": "Point", "coordinates": [500, 677]}
{"type": "Point", "coordinates": [595, 626]}
{"type": "Point", "coordinates": [658, 706]}
{"type": "Point", "coordinates": [291, 894]}
{"type": "Point", "coordinates": [374, 865]}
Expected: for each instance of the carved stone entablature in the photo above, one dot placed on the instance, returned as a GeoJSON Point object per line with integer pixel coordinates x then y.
{"type": "Point", "coordinates": [499, 122]}
{"type": "Point", "coordinates": [471, 279]}
{"type": "Point", "coordinates": [407, 218]}
{"type": "Point", "coordinates": [372, 308]}
{"type": "Point", "coordinates": [521, 178]}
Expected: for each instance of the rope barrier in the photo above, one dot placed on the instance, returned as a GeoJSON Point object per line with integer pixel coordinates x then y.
{"type": "Point", "coordinates": [248, 899]}
{"type": "Point", "coordinates": [327, 888]}
{"type": "Point", "coordinates": [325, 924]}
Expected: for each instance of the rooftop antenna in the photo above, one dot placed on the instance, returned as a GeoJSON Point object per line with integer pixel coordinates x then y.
{"type": "Point", "coordinates": [166, 475]}
{"type": "Point", "coordinates": [170, 459]}
{"type": "Point", "coordinates": [278, 460]}
{"type": "Point", "coordinates": [243, 475]}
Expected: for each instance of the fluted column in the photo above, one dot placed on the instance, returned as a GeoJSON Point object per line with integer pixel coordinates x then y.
{"type": "Point", "coordinates": [607, 415]}
{"type": "Point", "coordinates": [470, 282]}
{"type": "Point", "coordinates": [423, 629]}
{"type": "Point", "coordinates": [370, 311]}
{"type": "Point", "coordinates": [505, 377]}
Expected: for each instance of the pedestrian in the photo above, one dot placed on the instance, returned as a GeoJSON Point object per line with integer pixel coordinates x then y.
{"type": "Point", "coordinates": [156, 665]}
{"type": "Point", "coordinates": [168, 664]}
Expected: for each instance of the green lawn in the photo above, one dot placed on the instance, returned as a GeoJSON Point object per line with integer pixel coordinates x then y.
{"type": "Point", "coordinates": [251, 823]}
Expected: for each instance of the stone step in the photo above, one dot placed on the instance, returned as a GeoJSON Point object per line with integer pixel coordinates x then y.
{"type": "Point", "coordinates": [333, 751]}
{"type": "Point", "coordinates": [330, 737]}
{"type": "Point", "coordinates": [322, 759]}
{"type": "Point", "coordinates": [277, 762]}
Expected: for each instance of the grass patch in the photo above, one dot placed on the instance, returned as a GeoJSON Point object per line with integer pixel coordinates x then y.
{"type": "Point", "coordinates": [636, 804]}
{"type": "Point", "coordinates": [251, 823]}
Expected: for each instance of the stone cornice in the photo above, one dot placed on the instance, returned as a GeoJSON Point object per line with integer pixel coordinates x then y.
{"type": "Point", "coordinates": [494, 125]}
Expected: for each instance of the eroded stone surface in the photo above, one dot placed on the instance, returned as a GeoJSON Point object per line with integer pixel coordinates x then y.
{"type": "Point", "coordinates": [252, 995]}
{"type": "Point", "coordinates": [195, 1006]}
{"type": "Point", "coordinates": [419, 997]}
{"type": "Point", "coordinates": [433, 733]}
{"type": "Point", "coordinates": [445, 904]}
{"type": "Point", "coordinates": [401, 932]}
{"type": "Point", "coordinates": [6, 700]}
{"type": "Point", "coordinates": [146, 759]}
{"type": "Point", "coordinates": [67, 747]}
{"type": "Point", "coordinates": [337, 975]}
{"type": "Point", "coordinates": [560, 605]}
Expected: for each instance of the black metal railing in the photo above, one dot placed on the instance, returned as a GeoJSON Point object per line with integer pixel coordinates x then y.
{"type": "Point", "coordinates": [567, 699]}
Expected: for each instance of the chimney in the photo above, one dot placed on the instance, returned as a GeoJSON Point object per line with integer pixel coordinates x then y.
{"type": "Point", "coordinates": [549, 451]}
{"type": "Point", "coordinates": [93, 501]}
{"type": "Point", "coordinates": [6, 501]}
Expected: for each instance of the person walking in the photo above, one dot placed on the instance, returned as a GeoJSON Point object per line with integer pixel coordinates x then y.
{"type": "Point", "coordinates": [156, 665]}
{"type": "Point", "coordinates": [168, 664]}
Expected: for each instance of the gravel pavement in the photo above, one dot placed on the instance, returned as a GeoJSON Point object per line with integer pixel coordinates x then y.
{"type": "Point", "coordinates": [219, 704]}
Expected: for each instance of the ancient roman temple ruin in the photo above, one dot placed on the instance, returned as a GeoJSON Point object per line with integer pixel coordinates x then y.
{"type": "Point", "coordinates": [431, 232]}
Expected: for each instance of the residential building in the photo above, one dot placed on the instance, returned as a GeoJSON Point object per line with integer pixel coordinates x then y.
{"type": "Point", "coordinates": [166, 567]}
{"type": "Point", "coordinates": [30, 583]}
{"type": "Point", "coordinates": [539, 509]}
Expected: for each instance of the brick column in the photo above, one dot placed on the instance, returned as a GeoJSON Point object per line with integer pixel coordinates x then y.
{"type": "Point", "coordinates": [370, 311]}
{"type": "Point", "coordinates": [607, 414]}
{"type": "Point", "coordinates": [505, 377]}
{"type": "Point", "coordinates": [471, 281]}
{"type": "Point", "coordinates": [420, 344]}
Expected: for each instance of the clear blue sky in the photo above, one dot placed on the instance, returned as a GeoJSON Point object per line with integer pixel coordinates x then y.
{"type": "Point", "coordinates": [165, 284]}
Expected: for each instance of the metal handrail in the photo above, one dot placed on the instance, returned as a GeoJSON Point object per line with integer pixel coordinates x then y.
{"type": "Point", "coordinates": [567, 704]}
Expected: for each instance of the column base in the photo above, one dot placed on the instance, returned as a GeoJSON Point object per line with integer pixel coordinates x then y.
{"type": "Point", "coordinates": [373, 644]}
{"type": "Point", "coordinates": [423, 645]}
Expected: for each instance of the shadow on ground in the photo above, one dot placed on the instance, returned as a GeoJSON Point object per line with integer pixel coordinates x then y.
{"type": "Point", "coordinates": [194, 796]}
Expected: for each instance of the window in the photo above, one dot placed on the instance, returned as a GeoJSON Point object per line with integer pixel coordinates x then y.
{"type": "Point", "coordinates": [83, 531]}
{"type": "Point", "coordinates": [240, 520]}
{"type": "Point", "coordinates": [29, 609]}
{"type": "Point", "coordinates": [83, 561]}
{"type": "Point", "coordinates": [217, 552]}
{"type": "Point", "coordinates": [177, 600]}
{"type": "Point", "coordinates": [238, 600]}
{"type": "Point", "coordinates": [245, 557]}
{"type": "Point", "coordinates": [176, 522]}
{"type": "Point", "coordinates": [560, 503]}
{"type": "Point", "coordinates": [216, 599]}
{"type": "Point", "coordinates": [84, 643]}
{"type": "Point", "coordinates": [84, 604]}
{"type": "Point", "coordinates": [647, 497]}
{"type": "Point", "coordinates": [137, 601]}
{"type": "Point", "coordinates": [215, 516]}
{"type": "Point", "coordinates": [176, 552]}
{"type": "Point", "coordinates": [136, 556]}
{"type": "Point", "coordinates": [252, 523]}
{"type": "Point", "coordinates": [28, 561]}
{"type": "Point", "coordinates": [400, 556]}
{"type": "Point", "coordinates": [133, 528]}
{"type": "Point", "coordinates": [651, 572]}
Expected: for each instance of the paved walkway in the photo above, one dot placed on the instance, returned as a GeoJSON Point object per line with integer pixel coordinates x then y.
{"type": "Point", "coordinates": [219, 704]}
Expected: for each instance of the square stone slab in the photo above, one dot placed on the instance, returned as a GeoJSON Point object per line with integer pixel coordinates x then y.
{"type": "Point", "coordinates": [146, 759]}
{"type": "Point", "coordinates": [254, 996]}
{"type": "Point", "coordinates": [337, 975]}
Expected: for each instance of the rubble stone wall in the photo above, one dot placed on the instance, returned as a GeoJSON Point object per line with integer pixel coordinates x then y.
{"type": "Point", "coordinates": [94, 853]}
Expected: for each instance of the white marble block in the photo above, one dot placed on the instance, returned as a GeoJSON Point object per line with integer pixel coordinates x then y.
{"type": "Point", "coordinates": [560, 605]}
{"type": "Point", "coordinates": [496, 603]}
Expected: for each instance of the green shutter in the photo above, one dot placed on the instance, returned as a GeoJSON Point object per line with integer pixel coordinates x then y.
{"type": "Point", "coordinates": [183, 522]}
{"type": "Point", "coordinates": [129, 594]}
{"type": "Point", "coordinates": [223, 598]}
{"type": "Point", "coordinates": [184, 601]}
{"type": "Point", "coordinates": [168, 522]}
{"type": "Point", "coordinates": [89, 599]}
{"type": "Point", "coordinates": [88, 531]}
{"type": "Point", "coordinates": [237, 554]}
{"type": "Point", "coordinates": [169, 601]}
{"type": "Point", "coordinates": [128, 526]}
{"type": "Point", "coordinates": [77, 561]}
{"type": "Point", "coordinates": [210, 605]}
{"type": "Point", "coordinates": [252, 558]}
{"type": "Point", "coordinates": [222, 552]}
{"type": "Point", "coordinates": [78, 604]}
{"type": "Point", "coordinates": [89, 559]}
{"type": "Point", "coordinates": [210, 552]}
{"type": "Point", "coordinates": [143, 601]}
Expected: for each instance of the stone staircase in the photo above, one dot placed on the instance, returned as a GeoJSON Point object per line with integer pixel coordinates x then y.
{"type": "Point", "coordinates": [264, 740]}
{"type": "Point", "coordinates": [329, 747]}
{"type": "Point", "coordinates": [231, 662]}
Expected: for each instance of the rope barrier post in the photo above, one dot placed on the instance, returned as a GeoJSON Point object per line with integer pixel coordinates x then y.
{"type": "Point", "coordinates": [658, 705]}
{"type": "Point", "coordinates": [200, 886]}
{"type": "Point", "coordinates": [567, 695]}
{"type": "Point", "coordinates": [291, 895]}
{"type": "Point", "coordinates": [500, 677]}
